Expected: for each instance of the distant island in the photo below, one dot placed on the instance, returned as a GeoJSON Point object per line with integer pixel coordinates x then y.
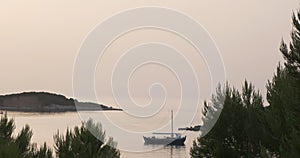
{"type": "Point", "coordinates": [191, 128]}
{"type": "Point", "coordinates": [46, 102]}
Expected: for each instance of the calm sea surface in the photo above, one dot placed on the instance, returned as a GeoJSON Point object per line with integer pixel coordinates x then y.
{"type": "Point", "coordinates": [130, 142]}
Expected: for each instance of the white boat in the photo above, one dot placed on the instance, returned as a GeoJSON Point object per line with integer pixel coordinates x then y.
{"type": "Point", "coordinates": [167, 139]}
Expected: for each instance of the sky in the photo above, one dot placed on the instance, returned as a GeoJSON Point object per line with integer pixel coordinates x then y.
{"type": "Point", "coordinates": [39, 41]}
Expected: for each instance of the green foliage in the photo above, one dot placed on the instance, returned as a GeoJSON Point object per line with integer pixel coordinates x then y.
{"type": "Point", "coordinates": [42, 152]}
{"type": "Point", "coordinates": [87, 141]}
{"type": "Point", "coordinates": [20, 145]}
{"type": "Point", "coordinates": [284, 98]}
{"type": "Point", "coordinates": [245, 127]}
{"type": "Point", "coordinates": [238, 132]}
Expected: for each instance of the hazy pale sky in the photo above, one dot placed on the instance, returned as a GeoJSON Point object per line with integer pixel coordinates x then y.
{"type": "Point", "coordinates": [39, 41]}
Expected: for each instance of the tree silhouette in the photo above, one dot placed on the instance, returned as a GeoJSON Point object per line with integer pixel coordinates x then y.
{"type": "Point", "coordinates": [239, 130]}
{"type": "Point", "coordinates": [87, 141]}
{"type": "Point", "coordinates": [283, 95]}
{"type": "Point", "coordinates": [245, 127]}
{"type": "Point", "coordinates": [20, 145]}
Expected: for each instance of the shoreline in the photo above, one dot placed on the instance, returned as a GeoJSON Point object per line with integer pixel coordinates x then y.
{"type": "Point", "coordinates": [56, 109]}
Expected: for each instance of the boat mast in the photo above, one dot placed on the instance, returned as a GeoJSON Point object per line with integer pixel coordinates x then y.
{"type": "Point", "coordinates": [172, 134]}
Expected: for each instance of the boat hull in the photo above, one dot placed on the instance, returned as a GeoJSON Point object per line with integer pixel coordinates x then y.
{"type": "Point", "coordinates": [165, 141]}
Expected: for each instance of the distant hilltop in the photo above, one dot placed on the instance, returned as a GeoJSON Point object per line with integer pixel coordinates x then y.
{"type": "Point", "coordinates": [46, 102]}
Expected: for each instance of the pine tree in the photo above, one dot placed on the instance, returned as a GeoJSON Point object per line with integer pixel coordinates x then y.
{"type": "Point", "coordinates": [239, 130]}
{"type": "Point", "coordinates": [284, 98]}
{"type": "Point", "coordinates": [19, 146]}
{"type": "Point", "coordinates": [87, 141]}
